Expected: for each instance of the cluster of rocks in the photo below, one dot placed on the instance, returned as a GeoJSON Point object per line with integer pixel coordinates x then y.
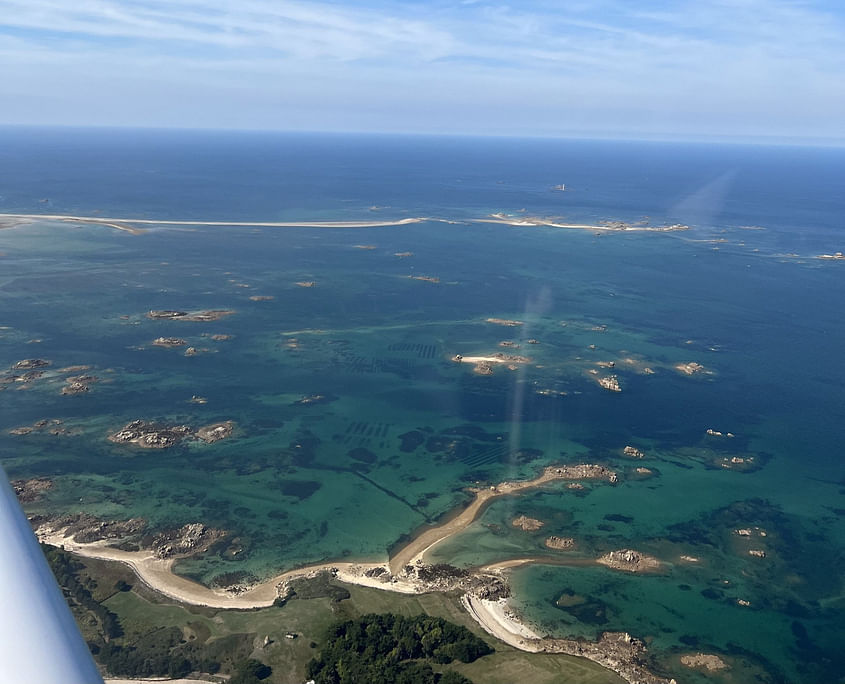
{"type": "Point", "coordinates": [186, 540]}
{"type": "Point", "coordinates": [31, 371]}
{"type": "Point", "coordinates": [150, 435]}
{"type": "Point", "coordinates": [85, 528]}
{"type": "Point", "coordinates": [30, 364]}
{"type": "Point", "coordinates": [132, 534]}
{"type": "Point", "coordinates": [169, 342]}
{"type": "Point", "coordinates": [744, 464]}
{"type": "Point", "coordinates": [26, 377]}
{"type": "Point", "coordinates": [560, 543]}
{"type": "Point", "coordinates": [31, 490]}
{"type": "Point", "coordinates": [78, 384]}
{"type": "Point", "coordinates": [200, 316]}
{"type": "Point", "coordinates": [691, 368]}
{"type": "Point", "coordinates": [610, 383]}
{"type": "Point", "coordinates": [633, 452]}
{"type": "Point", "coordinates": [54, 427]}
{"type": "Point", "coordinates": [527, 524]}
{"type": "Point", "coordinates": [582, 471]}
{"type": "Point", "coordinates": [483, 368]}
{"type": "Point", "coordinates": [704, 661]}
{"type": "Point", "coordinates": [215, 432]}
{"type": "Point", "coordinates": [717, 433]}
{"type": "Point", "coordinates": [617, 651]}
{"type": "Point", "coordinates": [444, 577]}
{"type": "Point", "coordinates": [629, 561]}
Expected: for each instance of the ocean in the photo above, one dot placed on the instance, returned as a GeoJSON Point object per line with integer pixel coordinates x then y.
{"type": "Point", "coordinates": [392, 430]}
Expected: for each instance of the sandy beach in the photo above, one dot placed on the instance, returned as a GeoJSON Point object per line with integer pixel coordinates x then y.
{"type": "Point", "coordinates": [157, 573]}
{"type": "Point", "coordinates": [497, 620]}
{"type": "Point", "coordinates": [416, 549]}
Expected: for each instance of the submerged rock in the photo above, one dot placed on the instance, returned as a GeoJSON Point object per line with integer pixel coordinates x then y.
{"type": "Point", "coordinates": [527, 524]}
{"type": "Point", "coordinates": [704, 661]}
{"type": "Point", "coordinates": [29, 364]}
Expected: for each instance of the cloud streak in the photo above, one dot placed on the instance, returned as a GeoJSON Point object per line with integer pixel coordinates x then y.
{"type": "Point", "coordinates": [743, 57]}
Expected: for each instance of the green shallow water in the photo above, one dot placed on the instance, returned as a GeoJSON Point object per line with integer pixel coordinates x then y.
{"type": "Point", "coordinates": [402, 430]}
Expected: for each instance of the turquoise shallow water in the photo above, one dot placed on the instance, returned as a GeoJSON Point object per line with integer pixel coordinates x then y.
{"type": "Point", "coordinates": [402, 429]}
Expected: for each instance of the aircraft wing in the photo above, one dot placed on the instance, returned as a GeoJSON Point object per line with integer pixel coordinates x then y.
{"type": "Point", "coordinates": [39, 640]}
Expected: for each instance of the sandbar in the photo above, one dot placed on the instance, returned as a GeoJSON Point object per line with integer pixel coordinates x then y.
{"type": "Point", "coordinates": [127, 224]}
{"type": "Point", "coordinates": [158, 573]}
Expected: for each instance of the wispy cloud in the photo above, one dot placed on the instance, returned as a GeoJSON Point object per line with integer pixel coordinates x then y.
{"type": "Point", "coordinates": [737, 57]}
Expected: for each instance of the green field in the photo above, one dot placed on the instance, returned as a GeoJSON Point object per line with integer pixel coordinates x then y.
{"type": "Point", "coordinates": [227, 634]}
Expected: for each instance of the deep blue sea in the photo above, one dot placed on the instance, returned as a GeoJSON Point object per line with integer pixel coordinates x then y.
{"type": "Point", "coordinates": [399, 429]}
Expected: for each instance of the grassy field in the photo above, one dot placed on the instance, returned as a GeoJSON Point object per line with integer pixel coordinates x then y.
{"type": "Point", "coordinates": [141, 610]}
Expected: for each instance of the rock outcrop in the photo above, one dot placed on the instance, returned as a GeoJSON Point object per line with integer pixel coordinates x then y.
{"type": "Point", "coordinates": [630, 561]}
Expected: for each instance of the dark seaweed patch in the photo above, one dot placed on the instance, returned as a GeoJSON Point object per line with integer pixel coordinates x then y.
{"type": "Point", "coordinates": [411, 440]}
{"type": "Point", "coordinates": [363, 455]}
{"type": "Point", "coordinates": [301, 489]}
{"type": "Point", "coordinates": [618, 517]}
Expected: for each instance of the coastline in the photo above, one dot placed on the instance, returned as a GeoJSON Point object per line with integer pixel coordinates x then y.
{"type": "Point", "coordinates": [157, 573]}
{"type": "Point", "coordinates": [618, 652]}
{"type": "Point", "coordinates": [494, 617]}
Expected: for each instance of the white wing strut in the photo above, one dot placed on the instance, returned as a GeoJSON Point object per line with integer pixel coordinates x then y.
{"type": "Point", "coordinates": [39, 640]}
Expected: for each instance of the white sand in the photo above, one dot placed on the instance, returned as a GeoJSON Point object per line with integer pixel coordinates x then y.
{"type": "Point", "coordinates": [497, 620]}
{"type": "Point", "coordinates": [487, 359]}
{"type": "Point", "coordinates": [122, 223]}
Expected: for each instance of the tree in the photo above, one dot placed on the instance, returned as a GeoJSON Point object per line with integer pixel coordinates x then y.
{"type": "Point", "coordinates": [250, 671]}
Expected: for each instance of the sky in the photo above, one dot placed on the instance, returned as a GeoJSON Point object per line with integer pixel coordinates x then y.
{"type": "Point", "coordinates": [744, 69]}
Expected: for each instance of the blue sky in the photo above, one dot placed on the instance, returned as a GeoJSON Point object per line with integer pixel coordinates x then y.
{"type": "Point", "coordinates": [606, 68]}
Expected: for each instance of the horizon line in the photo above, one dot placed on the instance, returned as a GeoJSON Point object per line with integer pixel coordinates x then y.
{"type": "Point", "coordinates": [594, 136]}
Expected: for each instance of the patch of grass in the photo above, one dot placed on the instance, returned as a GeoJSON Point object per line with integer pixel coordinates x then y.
{"type": "Point", "coordinates": [234, 632]}
{"type": "Point", "coordinates": [508, 665]}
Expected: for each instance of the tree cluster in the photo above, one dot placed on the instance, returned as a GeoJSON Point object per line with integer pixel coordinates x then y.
{"type": "Point", "coordinates": [154, 650]}
{"type": "Point", "coordinates": [392, 649]}
{"type": "Point", "coordinates": [66, 570]}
